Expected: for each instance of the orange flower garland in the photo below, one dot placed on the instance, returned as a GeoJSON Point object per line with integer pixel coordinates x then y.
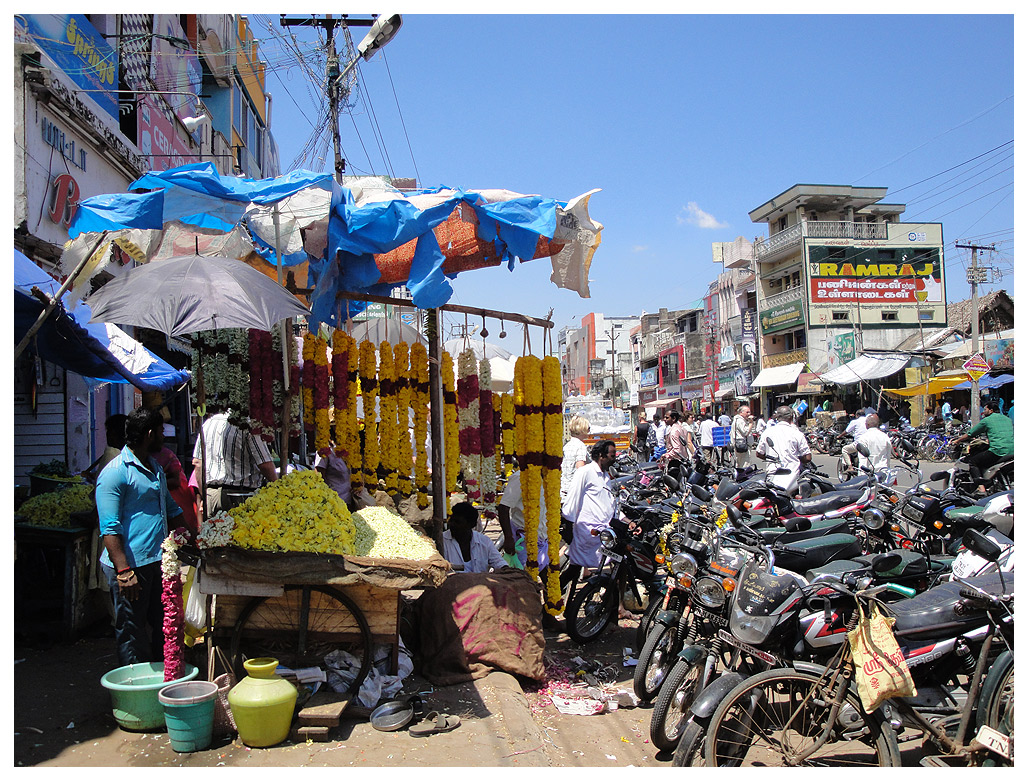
{"type": "Point", "coordinates": [451, 429]}
{"type": "Point", "coordinates": [531, 470]}
{"type": "Point", "coordinates": [553, 430]}
{"type": "Point", "coordinates": [352, 436]}
{"type": "Point", "coordinates": [322, 434]}
{"type": "Point", "coordinates": [340, 384]}
{"type": "Point", "coordinates": [307, 380]}
{"type": "Point", "coordinates": [404, 456]}
{"type": "Point", "coordinates": [497, 438]}
{"type": "Point", "coordinates": [507, 432]}
{"type": "Point", "coordinates": [369, 392]}
{"type": "Point", "coordinates": [420, 402]}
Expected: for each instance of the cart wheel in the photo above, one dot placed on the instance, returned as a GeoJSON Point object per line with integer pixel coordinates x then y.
{"type": "Point", "coordinates": [300, 629]}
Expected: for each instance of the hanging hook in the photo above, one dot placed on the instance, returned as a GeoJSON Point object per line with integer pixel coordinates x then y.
{"type": "Point", "coordinates": [485, 331]}
{"type": "Point", "coordinates": [503, 331]}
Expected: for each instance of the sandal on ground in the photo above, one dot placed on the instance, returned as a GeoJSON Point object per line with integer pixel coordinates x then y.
{"type": "Point", "coordinates": [435, 722]}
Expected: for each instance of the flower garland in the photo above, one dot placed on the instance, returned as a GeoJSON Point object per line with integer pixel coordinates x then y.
{"type": "Point", "coordinates": [507, 432]}
{"type": "Point", "coordinates": [420, 402]}
{"type": "Point", "coordinates": [307, 380]}
{"type": "Point", "coordinates": [278, 391]}
{"type": "Point", "coordinates": [340, 384]}
{"type": "Point", "coordinates": [215, 532]}
{"type": "Point", "coordinates": [387, 414]}
{"type": "Point", "coordinates": [487, 459]}
{"type": "Point", "coordinates": [553, 433]}
{"type": "Point", "coordinates": [468, 403]}
{"type": "Point", "coordinates": [404, 454]}
{"type": "Point", "coordinates": [322, 433]}
{"type": "Point", "coordinates": [497, 440]}
{"type": "Point", "coordinates": [174, 610]}
{"type": "Point", "coordinates": [531, 471]}
{"type": "Point", "coordinates": [450, 426]}
{"type": "Point", "coordinates": [369, 390]}
{"type": "Point", "coordinates": [352, 432]}
{"type": "Point", "coordinates": [262, 371]}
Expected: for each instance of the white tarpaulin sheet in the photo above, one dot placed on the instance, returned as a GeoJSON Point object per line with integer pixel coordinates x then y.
{"type": "Point", "coordinates": [778, 375]}
{"type": "Point", "coordinates": [869, 366]}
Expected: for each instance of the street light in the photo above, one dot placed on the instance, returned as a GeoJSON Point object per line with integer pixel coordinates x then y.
{"type": "Point", "coordinates": [382, 32]}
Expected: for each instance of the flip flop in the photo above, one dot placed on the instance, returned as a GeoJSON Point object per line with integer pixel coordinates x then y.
{"type": "Point", "coordinates": [434, 723]}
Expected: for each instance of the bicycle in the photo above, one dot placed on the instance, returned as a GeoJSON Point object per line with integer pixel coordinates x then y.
{"type": "Point", "coordinates": [810, 714]}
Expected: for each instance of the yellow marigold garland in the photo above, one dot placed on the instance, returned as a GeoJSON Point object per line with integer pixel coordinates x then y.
{"type": "Point", "coordinates": [308, 380]}
{"type": "Point", "coordinates": [451, 429]}
{"type": "Point", "coordinates": [553, 430]}
{"type": "Point", "coordinates": [404, 455]}
{"type": "Point", "coordinates": [531, 471]}
{"type": "Point", "coordinates": [352, 436]}
{"type": "Point", "coordinates": [322, 434]}
{"type": "Point", "coordinates": [340, 385]}
{"type": "Point", "coordinates": [420, 402]}
{"type": "Point", "coordinates": [507, 428]}
{"type": "Point", "coordinates": [369, 392]}
{"type": "Point", "coordinates": [387, 415]}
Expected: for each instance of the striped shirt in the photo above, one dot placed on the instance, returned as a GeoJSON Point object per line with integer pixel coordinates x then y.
{"type": "Point", "coordinates": [233, 455]}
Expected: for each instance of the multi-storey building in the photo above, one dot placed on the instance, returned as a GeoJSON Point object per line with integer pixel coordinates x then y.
{"type": "Point", "coordinates": [99, 100]}
{"type": "Point", "coordinates": [839, 274]}
{"type": "Point", "coordinates": [597, 357]}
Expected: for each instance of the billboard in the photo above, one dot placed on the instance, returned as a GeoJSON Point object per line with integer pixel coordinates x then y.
{"type": "Point", "coordinates": [748, 343]}
{"type": "Point", "coordinates": [783, 316]}
{"type": "Point", "coordinates": [871, 276]}
{"type": "Point", "coordinates": [648, 377]}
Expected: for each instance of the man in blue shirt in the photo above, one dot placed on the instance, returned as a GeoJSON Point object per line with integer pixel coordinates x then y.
{"type": "Point", "coordinates": [133, 505]}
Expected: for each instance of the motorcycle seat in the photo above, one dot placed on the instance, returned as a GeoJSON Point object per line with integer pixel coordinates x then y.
{"type": "Point", "coordinates": [827, 502]}
{"type": "Point", "coordinates": [817, 529]}
{"type": "Point", "coordinates": [817, 551]}
{"type": "Point", "coordinates": [860, 481]}
{"type": "Point", "coordinates": [941, 610]}
{"type": "Point", "coordinates": [840, 567]}
{"type": "Point", "coordinates": [998, 467]}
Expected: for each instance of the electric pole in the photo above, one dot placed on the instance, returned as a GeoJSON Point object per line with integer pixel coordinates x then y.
{"type": "Point", "coordinates": [975, 275]}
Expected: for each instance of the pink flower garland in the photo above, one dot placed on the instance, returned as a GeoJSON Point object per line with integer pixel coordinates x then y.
{"type": "Point", "coordinates": [174, 610]}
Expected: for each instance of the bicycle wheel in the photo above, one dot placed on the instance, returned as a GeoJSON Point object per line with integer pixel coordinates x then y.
{"type": "Point", "coordinates": [655, 661]}
{"type": "Point", "coordinates": [301, 628]}
{"type": "Point", "coordinates": [590, 611]}
{"type": "Point", "coordinates": [672, 707]}
{"type": "Point", "coordinates": [773, 717]}
{"type": "Point", "coordinates": [997, 706]}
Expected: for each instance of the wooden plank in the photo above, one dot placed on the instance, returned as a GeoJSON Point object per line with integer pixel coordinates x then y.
{"type": "Point", "coordinates": [325, 709]}
{"type": "Point", "coordinates": [315, 733]}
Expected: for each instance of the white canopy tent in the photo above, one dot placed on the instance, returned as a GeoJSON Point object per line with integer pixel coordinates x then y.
{"type": "Point", "coordinates": [869, 366]}
{"type": "Point", "coordinates": [778, 375]}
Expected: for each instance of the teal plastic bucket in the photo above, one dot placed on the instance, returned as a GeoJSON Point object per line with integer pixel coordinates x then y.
{"type": "Point", "coordinates": [189, 713]}
{"type": "Point", "coordinates": [134, 689]}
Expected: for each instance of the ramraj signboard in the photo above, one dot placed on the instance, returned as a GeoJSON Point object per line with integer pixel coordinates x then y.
{"type": "Point", "coordinates": [875, 275]}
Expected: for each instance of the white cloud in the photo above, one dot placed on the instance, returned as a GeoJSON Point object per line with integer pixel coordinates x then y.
{"type": "Point", "coordinates": [640, 248]}
{"type": "Point", "coordinates": [694, 215]}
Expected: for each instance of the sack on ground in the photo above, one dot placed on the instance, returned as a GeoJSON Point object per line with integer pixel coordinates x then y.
{"type": "Point", "coordinates": [880, 670]}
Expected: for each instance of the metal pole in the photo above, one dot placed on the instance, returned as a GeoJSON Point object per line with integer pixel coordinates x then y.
{"type": "Point", "coordinates": [435, 389]}
{"type": "Point", "coordinates": [973, 280]}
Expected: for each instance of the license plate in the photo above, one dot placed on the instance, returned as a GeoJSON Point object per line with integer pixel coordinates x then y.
{"type": "Point", "coordinates": [616, 557]}
{"type": "Point", "coordinates": [729, 638]}
{"type": "Point", "coordinates": [994, 741]}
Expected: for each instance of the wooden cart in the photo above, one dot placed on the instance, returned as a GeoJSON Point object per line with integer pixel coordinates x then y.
{"type": "Point", "coordinates": [297, 607]}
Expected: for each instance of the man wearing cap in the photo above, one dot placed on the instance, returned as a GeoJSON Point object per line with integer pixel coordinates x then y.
{"type": "Point", "coordinates": [790, 446]}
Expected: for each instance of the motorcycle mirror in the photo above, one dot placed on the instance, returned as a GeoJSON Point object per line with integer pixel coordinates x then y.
{"type": "Point", "coordinates": [885, 562]}
{"type": "Point", "coordinates": [978, 543]}
{"type": "Point", "coordinates": [746, 494]}
{"type": "Point", "coordinates": [701, 493]}
{"type": "Point", "coordinates": [613, 472]}
{"type": "Point", "coordinates": [671, 483]}
{"type": "Point", "coordinates": [797, 524]}
{"type": "Point", "coordinates": [734, 516]}
{"type": "Point", "coordinates": [769, 441]}
{"type": "Point", "coordinates": [862, 449]}
{"type": "Point", "coordinates": [939, 475]}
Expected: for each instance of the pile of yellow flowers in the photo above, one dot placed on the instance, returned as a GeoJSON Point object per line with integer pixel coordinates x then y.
{"type": "Point", "coordinates": [298, 512]}
{"type": "Point", "coordinates": [54, 508]}
{"type": "Point", "coordinates": [382, 534]}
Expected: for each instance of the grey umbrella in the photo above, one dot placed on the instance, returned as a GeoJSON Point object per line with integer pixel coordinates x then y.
{"type": "Point", "coordinates": [190, 293]}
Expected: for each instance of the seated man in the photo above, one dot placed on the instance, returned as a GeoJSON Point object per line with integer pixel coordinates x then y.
{"type": "Point", "coordinates": [999, 430]}
{"type": "Point", "coordinates": [466, 549]}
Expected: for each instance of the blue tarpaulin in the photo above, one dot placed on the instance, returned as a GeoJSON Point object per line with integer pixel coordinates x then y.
{"type": "Point", "coordinates": [986, 382]}
{"type": "Point", "coordinates": [357, 229]}
{"type": "Point", "coordinates": [68, 339]}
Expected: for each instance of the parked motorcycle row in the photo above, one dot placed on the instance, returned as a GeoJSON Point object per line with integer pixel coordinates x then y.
{"type": "Point", "coordinates": [752, 580]}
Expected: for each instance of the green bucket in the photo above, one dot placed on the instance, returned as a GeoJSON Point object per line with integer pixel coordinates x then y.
{"type": "Point", "coordinates": [189, 713]}
{"type": "Point", "coordinates": [134, 689]}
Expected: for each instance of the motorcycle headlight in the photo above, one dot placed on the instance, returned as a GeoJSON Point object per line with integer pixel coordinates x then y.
{"type": "Point", "coordinates": [607, 538]}
{"type": "Point", "coordinates": [683, 564]}
{"type": "Point", "coordinates": [873, 518]}
{"type": "Point", "coordinates": [751, 629]}
{"type": "Point", "coordinates": [710, 592]}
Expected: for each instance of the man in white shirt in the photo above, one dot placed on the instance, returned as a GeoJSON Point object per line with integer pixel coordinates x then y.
{"type": "Point", "coordinates": [466, 549]}
{"type": "Point", "coordinates": [660, 429]}
{"type": "Point", "coordinates": [877, 443]}
{"type": "Point", "coordinates": [707, 426]}
{"type": "Point", "coordinates": [855, 429]}
{"type": "Point", "coordinates": [589, 505]}
{"type": "Point", "coordinates": [511, 513]}
{"type": "Point", "coordinates": [742, 425]}
{"type": "Point", "coordinates": [790, 446]}
{"type": "Point", "coordinates": [236, 459]}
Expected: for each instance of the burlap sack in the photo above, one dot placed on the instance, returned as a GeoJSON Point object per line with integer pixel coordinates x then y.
{"type": "Point", "coordinates": [476, 623]}
{"type": "Point", "coordinates": [880, 670]}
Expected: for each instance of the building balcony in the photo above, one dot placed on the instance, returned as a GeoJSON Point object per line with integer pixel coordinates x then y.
{"type": "Point", "coordinates": [773, 247]}
{"type": "Point", "coordinates": [784, 359]}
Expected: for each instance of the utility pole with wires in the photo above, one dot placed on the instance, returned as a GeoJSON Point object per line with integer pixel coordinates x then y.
{"type": "Point", "coordinates": [975, 275]}
{"type": "Point", "coordinates": [383, 28]}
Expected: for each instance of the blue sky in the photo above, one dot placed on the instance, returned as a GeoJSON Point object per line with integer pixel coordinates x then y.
{"type": "Point", "coordinates": [686, 123]}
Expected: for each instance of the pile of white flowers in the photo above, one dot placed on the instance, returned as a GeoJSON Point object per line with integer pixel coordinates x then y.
{"type": "Point", "coordinates": [216, 532]}
{"type": "Point", "coordinates": [382, 534]}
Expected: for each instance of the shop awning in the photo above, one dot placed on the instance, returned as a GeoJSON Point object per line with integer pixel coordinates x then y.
{"type": "Point", "coordinates": [939, 384]}
{"type": "Point", "coordinates": [653, 406]}
{"type": "Point", "coordinates": [869, 366]}
{"type": "Point", "coordinates": [987, 382]}
{"type": "Point", "coordinates": [724, 393]}
{"type": "Point", "coordinates": [778, 375]}
{"type": "Point", "coordinates": [100, 352]}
